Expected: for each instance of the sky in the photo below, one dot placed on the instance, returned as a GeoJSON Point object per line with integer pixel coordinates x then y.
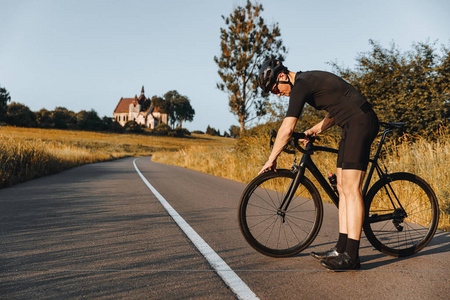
{"type": "Point", "coordinates": [86, 55]}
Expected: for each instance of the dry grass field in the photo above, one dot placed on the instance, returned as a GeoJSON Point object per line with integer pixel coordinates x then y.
{"type": "Point", "coordinates": [30, 153]}
{"type": "Point", "coordinates": [417, 155]}
{"type": "Point", "coordinates": [27, 153]}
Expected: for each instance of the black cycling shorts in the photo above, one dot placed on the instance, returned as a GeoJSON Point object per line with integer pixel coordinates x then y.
{"type": "Point", "coordinates": [357, 136]}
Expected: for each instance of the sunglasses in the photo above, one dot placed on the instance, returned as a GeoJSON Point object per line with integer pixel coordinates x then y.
{"type": "Point", "coordinates": [275, 89]}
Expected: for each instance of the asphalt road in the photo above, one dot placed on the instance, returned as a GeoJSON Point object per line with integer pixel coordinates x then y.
{"type": "Point", "coordinates": [97, 231]}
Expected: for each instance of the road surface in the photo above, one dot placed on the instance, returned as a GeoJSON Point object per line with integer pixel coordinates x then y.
{"type": "Point", "coordinates": [97, 231]}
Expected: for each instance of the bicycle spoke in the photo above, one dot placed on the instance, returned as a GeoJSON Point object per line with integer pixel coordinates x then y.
{"type": "Point", "coordinates": [262, 222]}
{"type": "Point", "coordinates": [263, 199]}
{"type": "Point", "coordinates": [270, 229]}
{"type": "Point", "coordinates": [300, 204]}
{"type": "Point", "coordinates": [413, 220]}
{"type": "Point", "coordinates": [270, 225]}
{"type": "Point", "coordinates": [293, 231]}
{"type": "Point", "coordinates": [301, 219]}
{"type": "Point", "coordinates": [264, 208]}
{"type": "Point", "coordinates": [274, 205]}
{"type": "Point", "coordinates": [299, 227]}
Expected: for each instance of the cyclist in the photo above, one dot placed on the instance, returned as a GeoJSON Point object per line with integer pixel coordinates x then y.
{"type": "Point", "coordinates": [346, 108]}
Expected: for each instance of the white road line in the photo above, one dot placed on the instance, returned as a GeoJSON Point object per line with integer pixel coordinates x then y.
{"type": "Point", "coordinates": [230, 278]}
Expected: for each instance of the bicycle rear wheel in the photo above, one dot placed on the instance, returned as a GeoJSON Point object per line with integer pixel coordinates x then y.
{"type": "Point", "coordinates": [274, 232]}
{"type": "Point", "coordinates": [402, 214]}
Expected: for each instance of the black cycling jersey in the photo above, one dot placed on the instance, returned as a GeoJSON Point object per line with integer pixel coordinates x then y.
{"type": "Point", "coordinates": [326, 91]}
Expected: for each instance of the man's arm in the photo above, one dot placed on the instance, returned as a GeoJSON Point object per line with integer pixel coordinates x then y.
{"type": "Point", "coordinates": [323, 125]}
{"type": "Point", "coordinates": [283, 136]}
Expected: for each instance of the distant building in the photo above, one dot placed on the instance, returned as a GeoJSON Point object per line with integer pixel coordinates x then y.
{"type": "Point", "coordinates": [139, 109]}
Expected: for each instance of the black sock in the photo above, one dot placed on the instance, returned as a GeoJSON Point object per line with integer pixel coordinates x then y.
{"type": "Point", "coordinates": [342, 243]}
{"type": "Point", "coordinates": [352, 249]}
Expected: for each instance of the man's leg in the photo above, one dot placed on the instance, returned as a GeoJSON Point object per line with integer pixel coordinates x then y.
{"type": "Point", "coordinates": [352, 189]}
{"type": "Point", "coordinates": [341, 244]}
{"type": "Point", "coordinates": [353, 212]}
{"type": "Point", "coordinates": [343, 233]}
{"type": "Point", "coordinates": [351, 186]}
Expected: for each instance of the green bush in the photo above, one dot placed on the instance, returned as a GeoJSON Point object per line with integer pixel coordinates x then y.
{"type": "Point", "coordinates": [180, 132]}
{"type": "Point", "coordinates": [162, 129]}
{"type": "Point", "coordinates": [134, 127]}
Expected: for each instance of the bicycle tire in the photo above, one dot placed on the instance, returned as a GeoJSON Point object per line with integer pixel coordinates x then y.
{"type": "Point", "coordinates": [261, 225]}
{"type": "Point", "coordinates": [402, 235]}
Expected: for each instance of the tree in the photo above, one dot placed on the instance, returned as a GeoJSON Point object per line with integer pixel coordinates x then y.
{"type": "Point", "coordinates": [89, 120]}
{"type": "Point", "coordinates": [246, 44]}
{"type": "Point", "coordinates": [63, 118]}
{"type": "Point", "coordinates": [212, 131]}
{"type": "Point", "coordinates": [169, 100]}
{"type": "Point", "coordinates": [20, 115]}
{"type": "Point", "coordinates": [411, 87]}
{"type": "Point", "coordinates": [4, 99]}
{"type": "Point", "coordinates": [234, 131]}
{"type": "Point", "coordinates": [107, 124]}
{"type": "Point", "coordinates": [44, 118]}
{"type": "Point", "coordinates": [176, 106]}
{"type": "Point", "coordinates": [183, 110]}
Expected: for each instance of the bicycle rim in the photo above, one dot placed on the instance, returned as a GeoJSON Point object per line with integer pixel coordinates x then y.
{"type": "Point", "coordinates": [271, 232]}
{"type": "Point", "coordinates": [414, 207]}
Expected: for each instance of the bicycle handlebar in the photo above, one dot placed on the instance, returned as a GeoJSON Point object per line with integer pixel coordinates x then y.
{"type": "Point", "coordinates": [293, 142]}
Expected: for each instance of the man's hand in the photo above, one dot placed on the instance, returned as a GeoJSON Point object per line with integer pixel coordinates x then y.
{"type": "Point", "coordinates": [308, 133]}
{"type": "Point", "coordinates": [269, 166]}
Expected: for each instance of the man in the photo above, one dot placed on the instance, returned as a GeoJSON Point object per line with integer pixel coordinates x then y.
{"type": "Point", "coordinates": [346, 108]}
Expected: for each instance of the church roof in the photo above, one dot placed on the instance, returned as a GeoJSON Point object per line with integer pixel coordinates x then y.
{"type": "Point", "coordinates": [124, 105]}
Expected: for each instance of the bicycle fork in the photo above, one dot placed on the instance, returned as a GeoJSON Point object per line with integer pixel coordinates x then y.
{"type": "Point", "coordinates": [300, 172]}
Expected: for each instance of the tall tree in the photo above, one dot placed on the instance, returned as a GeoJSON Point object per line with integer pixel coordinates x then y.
{"type": "Point", "coordinates": [411, 87]}
{"type": "Point", "coordinates": [183, 110]}
{"type": "Point", "coordinates": [177, 107]}
{"type": "Point", "coordinates": [4, 99]}
{"type": "Point", "coordinates": [169, 99]}
{"type": "Point", "coordinates": [246, 43]}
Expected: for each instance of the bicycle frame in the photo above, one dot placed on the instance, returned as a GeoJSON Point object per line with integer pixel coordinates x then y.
{"type": "Point", "coordinates": [307, 163]}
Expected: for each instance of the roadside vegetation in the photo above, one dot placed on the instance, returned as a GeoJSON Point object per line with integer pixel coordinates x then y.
{"type": "Point", "coordinates": [28, 153]}
{"type": "Point", "coordinates": [415, 154]}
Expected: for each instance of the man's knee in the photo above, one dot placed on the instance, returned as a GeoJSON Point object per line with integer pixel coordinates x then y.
{"type": "Point", "coordinates": [350, 191]}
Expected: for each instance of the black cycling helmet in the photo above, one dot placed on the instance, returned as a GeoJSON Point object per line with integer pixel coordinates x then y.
{"type": "Point", "coordinates": [268, 74]}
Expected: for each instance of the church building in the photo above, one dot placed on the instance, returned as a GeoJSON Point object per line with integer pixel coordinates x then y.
{"type": "Point", "coordinates": [139, 109]}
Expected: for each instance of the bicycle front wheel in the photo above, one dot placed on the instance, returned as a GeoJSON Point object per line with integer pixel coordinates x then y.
{"type": "Point", "coordinates": [274, 231]}
{"type": "Point", "coordinates": [402, 214]}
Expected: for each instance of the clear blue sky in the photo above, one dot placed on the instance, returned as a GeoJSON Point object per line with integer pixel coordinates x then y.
{"type": "Point", "coordinates": [88, 54]}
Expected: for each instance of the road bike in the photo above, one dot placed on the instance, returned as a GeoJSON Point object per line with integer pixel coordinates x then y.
{"type": "Point", "coordinates": [280, 213]}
